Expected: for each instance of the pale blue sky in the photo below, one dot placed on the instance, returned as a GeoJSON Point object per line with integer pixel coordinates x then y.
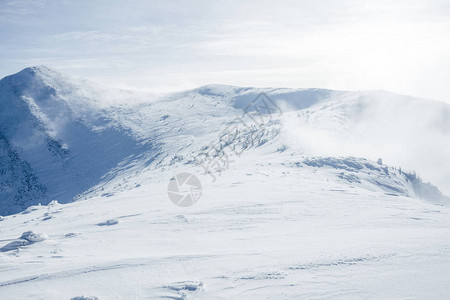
{"type": "Point", "coordinates": [161, 46]}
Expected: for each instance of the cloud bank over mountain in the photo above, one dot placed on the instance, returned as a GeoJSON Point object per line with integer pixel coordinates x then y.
{"type": "Point", "coordinates": [398, 46]}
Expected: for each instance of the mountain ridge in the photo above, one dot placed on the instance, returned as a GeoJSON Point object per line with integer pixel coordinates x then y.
{"type": "Point", "coordinates": [73, 140]}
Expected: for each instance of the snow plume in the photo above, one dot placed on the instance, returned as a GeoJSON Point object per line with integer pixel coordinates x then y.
{"type": "Point", "coordinates": [404, 131]}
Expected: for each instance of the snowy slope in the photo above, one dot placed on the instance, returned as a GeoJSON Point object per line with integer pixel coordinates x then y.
{"type": "Point", "coordinates": [295, 211]}
{"type": "Point", "coordinates": [267, 229]}
{"type": "Point", "coordinates": [61, 129]}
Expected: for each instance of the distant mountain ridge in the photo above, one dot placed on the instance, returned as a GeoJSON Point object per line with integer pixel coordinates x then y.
{"type": "Point", "coordinates": [62, 137]}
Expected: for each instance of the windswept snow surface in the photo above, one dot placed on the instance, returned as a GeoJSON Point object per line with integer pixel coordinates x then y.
{"type": "Point", "coordinates": [296, 213]}
{"type": "Point", "coordinates": [267, 229]}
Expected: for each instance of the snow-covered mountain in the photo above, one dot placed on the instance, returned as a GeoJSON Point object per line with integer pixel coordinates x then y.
{"type": "Point", "coordinates": [61, 133]}
{"type": "Point", "coordinates": [64, 136]}
{"type": "Point", "coordinates": [284, 172]}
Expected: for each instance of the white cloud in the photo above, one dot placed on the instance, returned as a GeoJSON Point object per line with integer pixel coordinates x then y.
{"type": "Point", "coordinates": [399, 46]}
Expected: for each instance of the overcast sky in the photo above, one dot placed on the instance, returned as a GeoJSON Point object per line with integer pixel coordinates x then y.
{"type": "Point", "coordinates": [401, 46]}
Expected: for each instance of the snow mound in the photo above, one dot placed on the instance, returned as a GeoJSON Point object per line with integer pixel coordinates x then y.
{"type": "Point", "coordinates": [32, 237]}
{"type": "Point", "coordinates": [31, 209]}
{"type": "Point", "coordinates": [190, 286]}
{"type": "Point", "coordinates": [109, 222]}
{"type": "Point", "coordinates": [184, 289]}
{"type": "Point", "coordinates": [71, 234]}
{"type": "Point", "coordinates": [27, 238]}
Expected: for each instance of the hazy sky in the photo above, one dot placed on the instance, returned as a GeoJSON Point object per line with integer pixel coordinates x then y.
{"type": "Point", "coordinates": [401, 46]}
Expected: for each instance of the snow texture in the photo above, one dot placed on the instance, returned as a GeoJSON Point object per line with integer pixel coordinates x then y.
{"type": "Point", "coordinates": [302, 206]}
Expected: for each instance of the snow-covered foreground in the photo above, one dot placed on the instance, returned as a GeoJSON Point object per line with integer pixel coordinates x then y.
{"type": "Point", "coordinates": [264, 230]}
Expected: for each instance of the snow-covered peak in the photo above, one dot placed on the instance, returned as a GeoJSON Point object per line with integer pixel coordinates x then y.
{"type": "Point", "coordinates": [62, 132]}
{"type": "Point", "coordinates": [75, 136]}
{"type": "Point", "coordinates": [40, 70]}
{"type": "Point", "coordinates": [288, 99]}
{"type": "Point", "coordinates": [40, 76]}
